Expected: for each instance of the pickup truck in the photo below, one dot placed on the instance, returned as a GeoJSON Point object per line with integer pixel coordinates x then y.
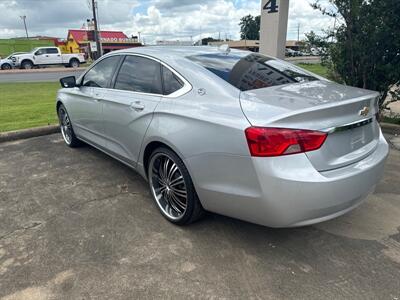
{"type": "Point", "coordinates": [46, 56]}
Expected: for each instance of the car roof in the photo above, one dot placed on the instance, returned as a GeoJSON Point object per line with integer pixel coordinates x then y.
{"type": "Point", "coordinates": [168, 52]}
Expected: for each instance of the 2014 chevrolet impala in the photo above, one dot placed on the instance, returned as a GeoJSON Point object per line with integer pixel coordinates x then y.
{"type": "Point", "coordinates": [231, 132]}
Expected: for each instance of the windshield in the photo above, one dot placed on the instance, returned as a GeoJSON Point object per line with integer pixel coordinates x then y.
{"type": "Point", "coordinates": [34, 50]}
{"type": "Point", "coordinates": [251, 71]}
{"type": "Point", "coordinates": [16, 53]}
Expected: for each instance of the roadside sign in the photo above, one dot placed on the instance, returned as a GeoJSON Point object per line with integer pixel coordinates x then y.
{"type": "Point", "coordinates": [274, 19]}
{"type": "Point", "coordinates": [93, 46]}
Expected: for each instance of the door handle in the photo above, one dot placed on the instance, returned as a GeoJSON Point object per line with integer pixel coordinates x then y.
{"type": "Point", "coordinates": [137, 105]}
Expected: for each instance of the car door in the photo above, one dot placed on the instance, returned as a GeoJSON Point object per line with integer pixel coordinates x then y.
{"type": "Point", "coordinates": [85, 109]}
{"type": "Point", "coordinates": [128, 107]}
{"type": "Point", "coordinates": [52, 56]}
{"type": "Point", "coordinates": [40, 56]}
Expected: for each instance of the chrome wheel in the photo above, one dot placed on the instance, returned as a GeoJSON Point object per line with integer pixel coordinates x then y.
{"type": "Point", "coordinates": [65, 124]}
{"type": "Point", "coordinates": [168, 186]}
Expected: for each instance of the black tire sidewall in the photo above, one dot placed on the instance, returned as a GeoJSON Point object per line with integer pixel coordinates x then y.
{"type": "Point", "coordinates": [191, 193]}
{"type": "Point", "coordinates": [25, 63]}
{"type": "Point", "coordinates": [3, 67]}
{"type": "Point", "coordinates": [71, 63]}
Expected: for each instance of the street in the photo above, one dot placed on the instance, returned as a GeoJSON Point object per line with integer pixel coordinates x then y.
{"type": "Point", "coordinates": [38, 75]}
{"type": "Point", "coordinates": [77, 224]}
{"type": "Point", "coordinates": [54, 74]}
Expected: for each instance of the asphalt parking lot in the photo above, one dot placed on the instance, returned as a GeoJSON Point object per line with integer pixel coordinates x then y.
{"type": "Point", "coordinates": [76, 224]}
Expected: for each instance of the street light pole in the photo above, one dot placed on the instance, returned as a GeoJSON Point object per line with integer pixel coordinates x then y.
{"type": "Point", "coordinates": [26, 30]}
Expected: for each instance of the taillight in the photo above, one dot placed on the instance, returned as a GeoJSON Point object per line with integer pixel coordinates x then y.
{"type": "Point", "coordinates": [265, 141]}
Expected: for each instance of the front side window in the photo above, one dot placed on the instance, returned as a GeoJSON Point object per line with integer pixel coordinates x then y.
{"type": "Point", "coordinates": [251, 71]}
{"type": "Point", "coordinates": [40, 52]}
{"type": "Point", "coordinates": [100, 75]}
{"type": "Point", "coordinates": [171, 82]}
{"type": "Point", "coordinates": [139, 74]}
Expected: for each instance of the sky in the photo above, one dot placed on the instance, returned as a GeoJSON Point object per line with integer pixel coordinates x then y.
{"type": "Point", "coordinates": [154, 19]}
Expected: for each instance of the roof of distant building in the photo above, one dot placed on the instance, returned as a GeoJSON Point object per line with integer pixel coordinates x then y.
{"type": "Point", "coordinates": [80, 35]}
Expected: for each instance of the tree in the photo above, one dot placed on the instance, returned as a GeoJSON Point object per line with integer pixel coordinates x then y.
{"type": "Point", "coordinates": [365, 45]}
{"type": "Point", "coordinates": [313, 40]}
{"type": "Point", "coordinates": [207, 40]}
{"type": "Point", "coordinates": [250, 27]}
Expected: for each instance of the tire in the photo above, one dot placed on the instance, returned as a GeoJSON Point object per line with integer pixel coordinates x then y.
{"type": "Point", "coordinates": [66, 128]}
{"type": "Point", "coordinates": [169, 183]}
{"type": "Point", "coordinates": [6, 66]}
{"type": "Point", "coordinates": [74, 63]}
{"type": "Point", "coordinates": [27, 65]}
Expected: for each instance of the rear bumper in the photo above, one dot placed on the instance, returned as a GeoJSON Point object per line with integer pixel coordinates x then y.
{"type": "Point", "coordinates": [285, 191]}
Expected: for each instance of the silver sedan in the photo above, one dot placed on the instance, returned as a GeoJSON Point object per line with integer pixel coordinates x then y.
{"type": "Point", "coordinates": [231, 132]}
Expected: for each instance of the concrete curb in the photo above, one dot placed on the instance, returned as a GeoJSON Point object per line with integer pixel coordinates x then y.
{"type": "Point", "coordinates": [390, 128]}
{"type": "Point", "coordinates": [28, 133]}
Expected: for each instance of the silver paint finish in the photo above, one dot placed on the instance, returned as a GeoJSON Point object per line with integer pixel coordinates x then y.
{"type": "Point", "coordinates": [207, 131]}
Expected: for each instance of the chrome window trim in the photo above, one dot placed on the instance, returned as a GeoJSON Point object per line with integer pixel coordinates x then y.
{"type": "Point", "coordinates": [348, 126]}
{"type": "Point", "coordinates": [186, 88]}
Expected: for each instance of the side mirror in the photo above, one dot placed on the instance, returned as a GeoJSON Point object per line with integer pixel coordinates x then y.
{"type": "Point", "coordinates": [68, 82]}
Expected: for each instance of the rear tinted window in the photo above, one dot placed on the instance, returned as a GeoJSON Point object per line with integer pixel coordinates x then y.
{"type": "Point", "coordinates": [171, 82]}
{"type": "Point", "coordinates": [52, 51]}
{"type": "Point", "coordinates": [139, 74]}
{"type": "Point", "coordinates": [251, 71]}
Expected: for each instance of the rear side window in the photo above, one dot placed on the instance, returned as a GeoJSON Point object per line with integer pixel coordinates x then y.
{"type": "Point", "coordinates": [251, 71]}
{"type": "Point", "coordinates": [100, 75]}
{"type": "Point", "coordinates": [139, 74]}
{"type": "Point", "coordinates": [51, 51]}
{"type": "Point", "coordinates": [171, 82]}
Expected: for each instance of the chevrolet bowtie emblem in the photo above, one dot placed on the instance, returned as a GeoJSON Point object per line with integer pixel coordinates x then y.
{"type": "Point", "coordinates": [364, 112]}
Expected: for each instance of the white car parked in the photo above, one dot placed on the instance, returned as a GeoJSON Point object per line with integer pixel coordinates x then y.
{"type": "Point", "coordinates": [6, 63]}
{"type": "Point", "coordinates": [45, 56]}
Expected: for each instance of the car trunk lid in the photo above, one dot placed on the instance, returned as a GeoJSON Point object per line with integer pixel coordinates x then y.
{"type": "Point", "coordinates": [346, 113]}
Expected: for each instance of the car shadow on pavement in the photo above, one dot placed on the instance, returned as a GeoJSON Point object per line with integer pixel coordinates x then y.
{"type": "Point", "coordinates": [76, 223]}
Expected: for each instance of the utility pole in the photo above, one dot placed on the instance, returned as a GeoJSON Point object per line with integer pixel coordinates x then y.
{"type": "Point", "coordinates": [298, 32]}
{"type": "Point", "coordinates": [96, 32]}
{"type": "Point", "coordinates": [26, 30]}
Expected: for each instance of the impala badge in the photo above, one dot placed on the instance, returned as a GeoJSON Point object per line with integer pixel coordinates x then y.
{"type": "Point", "coordinates": [364, 112]}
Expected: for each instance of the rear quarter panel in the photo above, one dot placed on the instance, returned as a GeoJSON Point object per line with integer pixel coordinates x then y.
{"type": "Point", "coordinates": [207, 128]}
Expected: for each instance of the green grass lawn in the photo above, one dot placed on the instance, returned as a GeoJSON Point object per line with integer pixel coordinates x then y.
{"type": "Point", "coordinates": [315, 68]}
{"type": "Point", "coordinates": [26, 105]}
